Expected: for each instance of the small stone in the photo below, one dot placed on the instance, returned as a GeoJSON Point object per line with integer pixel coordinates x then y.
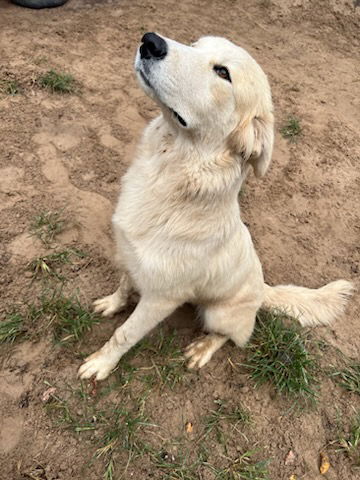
{"type": "Point", "coordinates": [290, 458]}
{"type": "Point", "coordinates": [48, 394]}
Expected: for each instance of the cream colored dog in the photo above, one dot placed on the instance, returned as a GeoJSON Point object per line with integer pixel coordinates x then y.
{"type": "Point", "coordinates": [177, 224]}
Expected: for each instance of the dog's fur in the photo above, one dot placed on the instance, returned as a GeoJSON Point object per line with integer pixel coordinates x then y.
{"type": "Point", "coordinates": [177, 223]}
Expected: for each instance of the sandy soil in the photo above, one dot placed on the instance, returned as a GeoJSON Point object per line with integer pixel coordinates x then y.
{"type": "Point", "coordinates": [69, 152]}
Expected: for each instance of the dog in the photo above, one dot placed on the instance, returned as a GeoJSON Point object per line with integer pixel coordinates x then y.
{"type": "Point", "coordinates": [177, 223]}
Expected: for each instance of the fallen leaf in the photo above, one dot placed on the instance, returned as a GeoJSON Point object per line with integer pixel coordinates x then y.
{"type": "Point", "coordinates": [47, 395]}
{"type": "Point", "coordinates": [290, 458]}
{"type": "Point", "coordinates": [293, 477]}
{"type": "Point", "coordinates": [324, 463]}
{"type": "Point", "coordinates": [189, 427]}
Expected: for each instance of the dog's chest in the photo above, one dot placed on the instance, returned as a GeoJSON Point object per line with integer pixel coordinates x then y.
{"type": "Point", "coordinates": [154, 204]}
{"type": "Point", "coordinates": [148, 204]}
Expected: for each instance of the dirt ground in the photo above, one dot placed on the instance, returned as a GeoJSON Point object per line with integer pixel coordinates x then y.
{"type": "Point", "coordinates": [68, 152]}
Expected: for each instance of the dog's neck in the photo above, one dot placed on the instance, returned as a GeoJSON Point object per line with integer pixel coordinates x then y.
{"type": "Point", "coordinates": [203, 146]}
{"type": "Point", "coordinates": [204, 168]}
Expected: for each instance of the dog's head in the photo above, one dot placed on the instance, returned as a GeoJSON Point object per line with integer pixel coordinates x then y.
{"type": "Point", "coordinates": [212, 90]}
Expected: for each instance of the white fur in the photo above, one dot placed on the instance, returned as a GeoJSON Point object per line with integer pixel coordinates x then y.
{"type": "Point", "coordinates": [177, 223]}
{"type": "Point", "coordinates": [310, 306]}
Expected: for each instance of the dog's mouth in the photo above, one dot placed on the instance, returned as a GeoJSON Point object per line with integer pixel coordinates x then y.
{"type": "Point", "coordinates": [146, 80]}
{"type": "Point", "coordinates": [178, 117]}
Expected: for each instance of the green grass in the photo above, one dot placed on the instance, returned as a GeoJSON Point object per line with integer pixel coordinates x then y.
{"type": "Point", "coordinates": [67, 419]}
{"type": "Point", "coordinates": [122, 429]}
{"type": "Point", "coordinates": [115, 429]}
{"type": "Point", "coordinates": [350, 443]}
{"type": "Point", "coordinates": [57, 82]}
{"type": "Point", "coordinates": [349, 377]}
{"type": "Point", "coordinates": [48, 264]}
{"type": "Point", "coordinates": [47, 225]}
{"type": "Point", "coordinates": [170, 374]}
{"type": "Point", "coordinates": [278, 354]}
{"type": "Point", "coordinates": [110, 470]}
{"type": "Point", "coordinates": [65, 316]}
{"type": "Point", "coordinates": [243, 468]}
{"type": "Point", "coordinates": [9, 87]}
{"type": "Point", "coordinates": [11, 328]}
{"type": "Point", "coordinates": [214, 421]}
{"type": "Point", "coordinates": [169, 363]}
{"type": "Point", "coordinates": [291, 129]}
{"type": "Point", "coordinates": [69, 319]}
{"type": "Point", "coordinates": [165, 362]}
{"type": "Point", "coordinates": [154, 363]}
{"type": "Point", "coordinates": [121, 432]}
{"type": "Point", "coordinates": [181, 466]}
{"type": "Point", "coordinates": [68, 415]}
{"type": "Point", "coordinates": [127, 438]}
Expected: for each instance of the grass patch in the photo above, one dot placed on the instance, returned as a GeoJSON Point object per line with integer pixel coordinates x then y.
{"type": "Point", "coordinates": [122, 432]}
{"type": "Point", "coordinates": [350, 443]}
{"type": "Point", "coordinates": [291, 129]}
{"type": "Point", "coordinates": [48, 264]}
{"type": "Point", "coordinates": [165, 361]}
{"type": "Point", "coordinates": [115, 429]}
{"type": "Point", "coordinates": [214, 421]}
{"type": "Point", "coordinates": [9, 87]}
{"type": "Point", "coordinates": [179, 467]}
{"type": "Point", "coordinates": [57, 82]}
{"type": "Point", "coordinates": [122, 428]}
{"type": "Point", "coordinates": [11, 328]}
{"type": "Point", "coordinates": [74, 409]}
{"type": "Point", "coordinates": [349, 378]}
{"type": "Point", "coordinates": [68, 317]}
{"type": "Point", "coordinates": [243, 468]}
{"type": "Point", "coordinates": [67, 419]}
{"type": "Point", "coordinates": [46, 225]}
{"type": "Point", "coordinates": [278, 354]}
{"type": "Point", "coordinates": [163, 367]}
{"type": "Point", "coordinates": [169, 364]}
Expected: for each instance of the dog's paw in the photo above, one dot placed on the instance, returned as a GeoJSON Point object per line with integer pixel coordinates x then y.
{"type": "Point", "coordinates": [98, 364]}
{"type": "Point", "coordinates": [109, 305]}
{"type": "Point", "coordinates": [199, 352]}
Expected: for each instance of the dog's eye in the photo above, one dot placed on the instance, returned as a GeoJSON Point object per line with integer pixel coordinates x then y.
{"type": "Point", "coordinates": [223, 72]}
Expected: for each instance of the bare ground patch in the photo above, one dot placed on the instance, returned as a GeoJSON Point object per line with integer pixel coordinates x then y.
{"type": "Point", "coordinates": [64, 151]}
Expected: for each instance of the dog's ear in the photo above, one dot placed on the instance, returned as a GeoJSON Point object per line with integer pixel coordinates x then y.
{"type": "Point", "coordinates": [253, 140]}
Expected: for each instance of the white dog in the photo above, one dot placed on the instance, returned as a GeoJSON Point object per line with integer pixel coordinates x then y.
{"type": "Point", "coordinates": [177, 223]}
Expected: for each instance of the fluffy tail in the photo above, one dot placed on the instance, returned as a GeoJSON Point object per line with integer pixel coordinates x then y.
{"type": "Point", "coordinates": [310, 306]}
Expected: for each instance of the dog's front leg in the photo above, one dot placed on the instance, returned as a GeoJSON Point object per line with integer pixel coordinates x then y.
{"type": "Point", "coordinates": [148, 313]}
{"type": "Point", "coordinates": [111, 304]}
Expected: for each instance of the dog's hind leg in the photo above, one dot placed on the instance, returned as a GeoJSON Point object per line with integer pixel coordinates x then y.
{"type": "Point", "coordinates": [148, 313]}
{"type": "Point", "coordinates": [111, 304]}
{"type": "Point", "coordinates": [233, 320]}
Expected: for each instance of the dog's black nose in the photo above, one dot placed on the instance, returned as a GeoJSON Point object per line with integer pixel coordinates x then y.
{"type": "Point", "coordinates": [153, 46]}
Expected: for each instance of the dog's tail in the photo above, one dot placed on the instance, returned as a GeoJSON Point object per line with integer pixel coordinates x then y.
{"type": "Point", "coordinates": [310, 306]}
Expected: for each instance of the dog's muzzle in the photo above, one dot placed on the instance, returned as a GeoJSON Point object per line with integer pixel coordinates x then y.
{"type": "Point", "coordinates": [154, 48]}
